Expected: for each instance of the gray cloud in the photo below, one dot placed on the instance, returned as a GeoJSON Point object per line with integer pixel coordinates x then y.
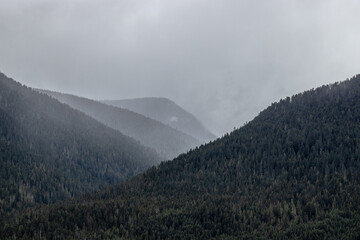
{"type": "Point", "coordinates": [223, 60]}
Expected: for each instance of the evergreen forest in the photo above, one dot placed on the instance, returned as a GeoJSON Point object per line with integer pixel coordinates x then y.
{"type": "Point", "coordinates": [293, 172]}
{"type": "Point", "coordinates": [51, 152]}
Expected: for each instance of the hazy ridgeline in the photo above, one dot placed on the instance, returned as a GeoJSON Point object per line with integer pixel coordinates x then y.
{"type": "Point", "coordinates": [167, 112]}
{"type": "Point", "coordinates": [167, 141]}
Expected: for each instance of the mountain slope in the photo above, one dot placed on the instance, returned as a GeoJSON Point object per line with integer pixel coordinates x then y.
{"type": "Point", "coordinates": [167, 112]}
{"type": "Point", "coordinates": [168, 142]}
{"type": "Point", "coordinates": [50, 152]}
{"type": "Point", "coordinates": [291, 173]}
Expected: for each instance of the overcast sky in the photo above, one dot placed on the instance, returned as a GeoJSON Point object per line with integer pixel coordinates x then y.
{"type": "Point", "coordinates": [224, 60]}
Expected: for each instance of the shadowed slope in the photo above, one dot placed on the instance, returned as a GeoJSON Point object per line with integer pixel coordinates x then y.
{"type": "Point", "coordinates": [49, 151]}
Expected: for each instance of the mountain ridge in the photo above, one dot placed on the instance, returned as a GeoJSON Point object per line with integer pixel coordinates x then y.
{"type": "Point", "coordinates": [293, 172]}
{"type": "Point", "coordinates": [50, 152]}
{"type": "Point", "coordinates": [168, 112]}
{"type": "Point", "coordinates": [168, 142]}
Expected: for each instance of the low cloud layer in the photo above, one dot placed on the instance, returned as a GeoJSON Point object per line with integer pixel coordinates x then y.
{"type": "Point", "coordinates": [224, 61]}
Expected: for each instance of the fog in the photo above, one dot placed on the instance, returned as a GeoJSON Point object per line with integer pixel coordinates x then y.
{"type": "Point", "coordinates": [224, 61]}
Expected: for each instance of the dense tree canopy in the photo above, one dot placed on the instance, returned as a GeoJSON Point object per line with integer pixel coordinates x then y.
{"type": "Point", "coordinates": [50, 152]}
{"type": "Point", "coordinates": [291, 173]}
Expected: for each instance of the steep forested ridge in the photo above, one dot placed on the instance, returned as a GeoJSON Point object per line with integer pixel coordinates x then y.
{"type": "Point", "coordinates": [167, 141]}
{"type": "Point", "coordinates": [291, 173]}
{"type": "Point", "coordinates": [50, 152]}
{"type": "Point", "coordinates": [167, 112]}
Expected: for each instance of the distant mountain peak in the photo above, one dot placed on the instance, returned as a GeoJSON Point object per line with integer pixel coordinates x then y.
{"type": "Point", "coordinates": [168, 112]}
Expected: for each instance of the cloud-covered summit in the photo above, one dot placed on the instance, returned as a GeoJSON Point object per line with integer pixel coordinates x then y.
{"type": "Point", "coordinates": [224, 61]}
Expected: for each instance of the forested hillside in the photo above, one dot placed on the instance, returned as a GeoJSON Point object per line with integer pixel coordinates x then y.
{"type": "Point", "coordinates": [167, 141]}
{"type": "Point", "coordinates": [291, 173]}
{"type": "Point", "coordinates": [50, 152]}
{"type": "Point", "coordinates": [167, 112]}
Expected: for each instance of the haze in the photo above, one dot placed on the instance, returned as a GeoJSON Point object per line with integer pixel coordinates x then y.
{"type": "Point", "coordinates": [224, 61]}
